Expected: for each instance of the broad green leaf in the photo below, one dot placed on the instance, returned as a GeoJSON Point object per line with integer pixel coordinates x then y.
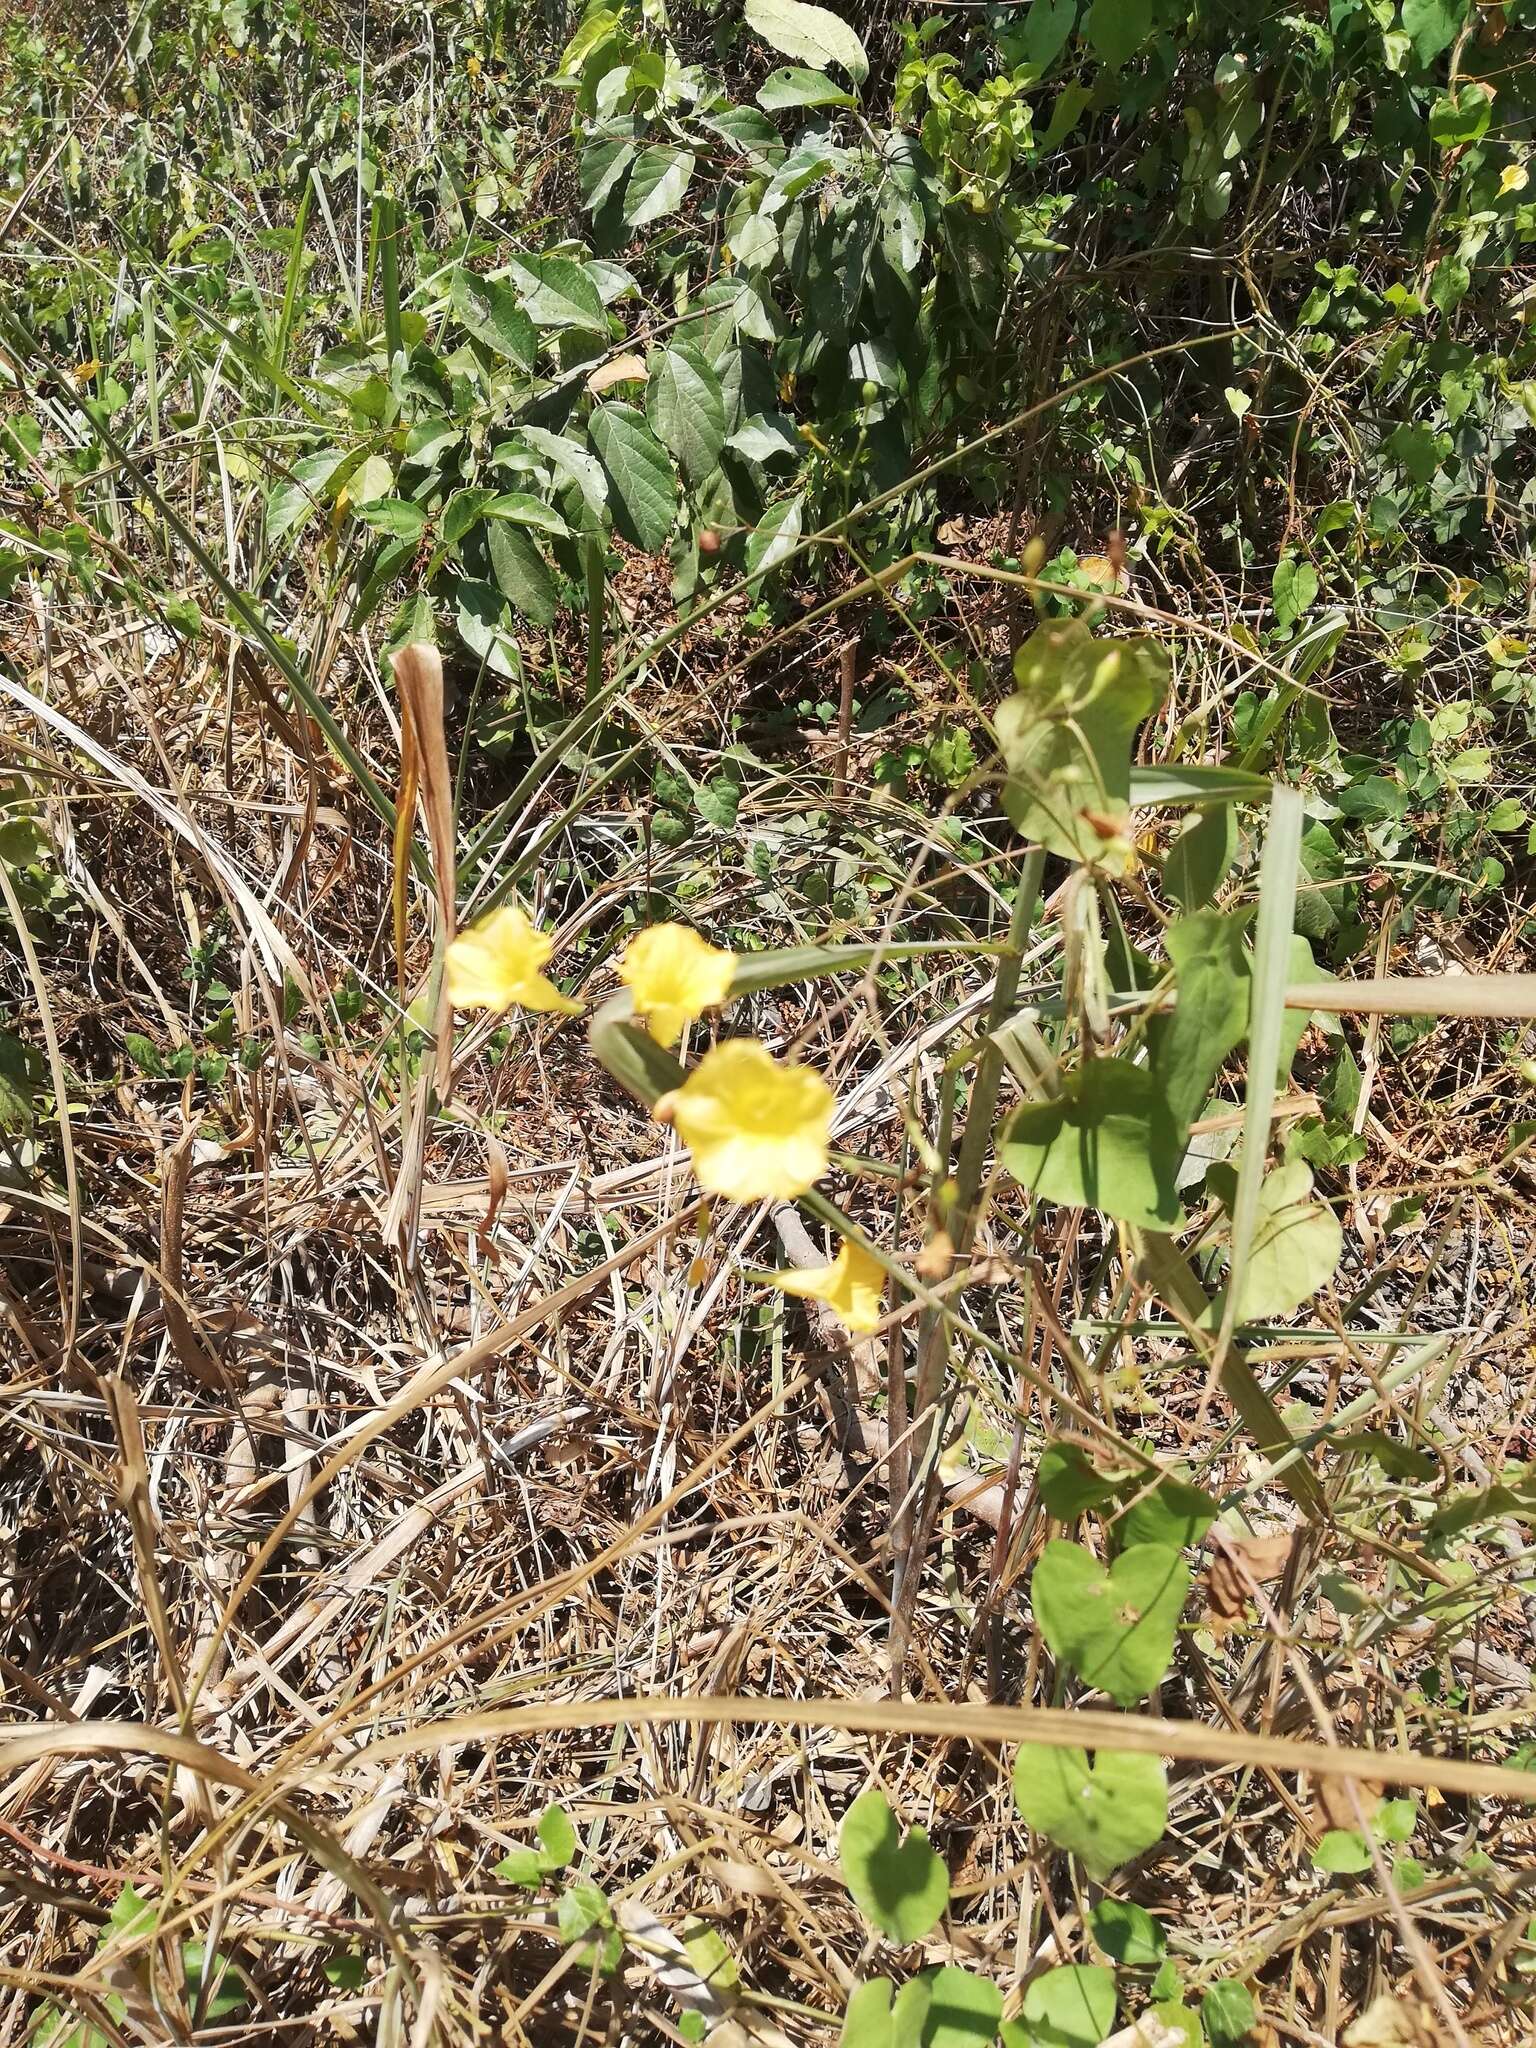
{"type": "Point", "coordinates": [396, 516]}
{"type": "Point", "coordinates": [1229, 2015]}
{"type": "Point", "coordinates": [1115, 1628]}
{"type": "Point", "coordinates": [1196, 863]}
{"type": "Point", "coordinates": [523, 1867]}
{"type": "Point", "coordinates": [1072, 2006]}
{"type": "Point", "coordinates": [521, 509]}
{"type": "Point", "coordinates": [520, 572]}
{"type": "Point", "coordinates": [1116, 29]}
{"type": "Point", "coordinates": [1106, 1142]}
{"type": "Point", "coordinates": [946, 2008]}
{"type": "Point", "coordinates": [656, 185]}
{"type": "Point", "coordinates": [1297, 1243]}
{"type": "Point", "coordinates": [15, 1086]}
{"type": "Point", "coordinates": [585, 1920]}
{"type": "Point", "coordinates": [1461, 116]}
{"type": "Point", "coordinates": [1294, 590]}
{"type": "Point", "coordinates": [291, 502]}
{"type": "Point", "coordinates": [1395, 1820]}
{"type": "Point", "coordinates": [867, 2022]}
{"type": "Point", "coordinates": [374, 478]}
{"type": "Point", "coordinates": [686, 408]}
{"type": "Point", "coordinates": [1046, 28]}
{"type": "Point", "coordinates": [1069, 1485]}
{"type": "Point", "coordinates": [1103, 1812]}
{"type": "Point", "coordinates": [644, 487]}
{"type": "Point", "coordinates": [603, 164]}
{"type": "Point", "coordinates": [812, 35]}
{"type": "Point", "coordinates": [897, 1882]}
{"type": "Point", "coordinates": [1181, 2027]}
{"type": "Point", "coordinates": [1342, 1852]}
{"type": "Point", "coordinates": [1211, 1015]}
{"type": "Point", "coordinates": [573, 462]}
{"type": "Point", "coordinates": [1197, 783]}
{"type": "Point", "coordinates": [556, 291]}
{"type": "Point", "coordinates": [1432, 25]}
{"type": "Point", "coordinates": [1128, 1934]}
{"type": "Point", "coordinates": [228, 1994]}
{"type": "Point", "coordinates": [797, 88]}
{"type": "Point", "coordinates": [488, 308]}
{"type": "Point", "coordinates": [1174, 1513]}
{"type": "Point", "coordinates": [775, 534]}
{"type": "Point", "coordinates": [461, 512]}
{"type": "Point", "coordinates": [557, 1838]}
{"type": "Point", "coordinates": [480, 615]}
{"type": "Point", "coordinates": [1066, 736]}
{"type": "Point", "coordinates": [767, 437]}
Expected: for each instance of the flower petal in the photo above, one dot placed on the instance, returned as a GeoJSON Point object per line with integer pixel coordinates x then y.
{"type": "Point", "coordinates": [757, 1130]}
{"type": "Point", "coordinates": [498, 961]}
{"type": "Point", "coordinates": [674, 977]}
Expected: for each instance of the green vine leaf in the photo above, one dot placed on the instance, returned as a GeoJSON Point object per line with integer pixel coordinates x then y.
{"type": "Point", "coordinates": [813, 35]}
{"type": "Point", "coordinates": [1296, 1247]}
{"type": "Point", "coordinates": [1069, 2007]}
{"type": "Point", "coordinates": [1103, 1812]}
{"type": "Point", "coordinates": [1107, 1142]}
{"type": "Point", "coordinates": [1115, 1628]}
{"type": "Point", "coordinates": [686, 407]}
{"type": "Point", "coordinates": [898, 1882]}
{"type": "Point", "coordinates": [1066, 736]}
{"type": "Point", "coordinates": [1211, 1016]}
{"type": "Point", "coordinates": [946, 2008]}
{"type": "Point", "coordinates": [644, 487]}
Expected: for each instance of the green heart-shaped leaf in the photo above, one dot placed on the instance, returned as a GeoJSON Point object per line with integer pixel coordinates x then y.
{"type": "Point", "coordinates": [1106, 1142]}
{"type": "Point", "coordinates": [1070, 2007]}
{"type": "Point", "coordinates": [946, 2008]}
{"type": "Point", "coordinates": [1103, 1813]}
{"type": "Point", "coordinates": [1297, 1243]}
{"type": "Point", "coordinates": [1115, 1628]}
{"type": "Point", "coordinates": [897, 1882]}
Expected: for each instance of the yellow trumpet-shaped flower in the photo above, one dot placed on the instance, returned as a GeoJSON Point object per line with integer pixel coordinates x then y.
{"type": "Point", "coordinates": [851, 1287]}
{"type": "Point", "coordinates": [674, 977]}
{"type": "Point", "coordinates": [498, 962]}
{"type": "Point", "coordinates": [756, 1129]}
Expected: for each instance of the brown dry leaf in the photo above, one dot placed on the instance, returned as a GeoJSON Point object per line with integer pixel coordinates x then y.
{"type": "Point", "coordinates": [1391, 2022]}
{"type": "Point", "coordinates": [937, 1256]}
{"type": "Point", "coordinates": [1237, 1565]}
{"type": "Point", "coordinates": [1338, 1810]}
{"type": "Point", "coordinates": [989, 1271]}
{"type": "Point", "coordinates": [622, 370]}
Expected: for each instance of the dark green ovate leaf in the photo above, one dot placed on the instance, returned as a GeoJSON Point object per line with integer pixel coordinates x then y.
{"type": "Point", "coordinates": [488, 308]}
{"type": "Point", "coordinates": [557, 291]}
{"type": "Point", "coordinates": [603, 164]}
{"type": "Point", "coordinates": [1433, 25]}
{"type": "Point", "coordinates": [1196, 863]}
{"type": "Point", "coordinates": [1066, 736]}
{"type": "Point", "coordinates": [1115, 1628]}
{"type": "Point", "coordinates": [686, 407]}
{"type": "Point", "coordinates": [520, 571]}
{"type": "Point", "coordinates": [897, 1881]}
{"type": "Point", "coordinates": [797, 88]}
{"type": "Point", "coordinates": [1116, 29]}
{"type": "Point", "coordinates": [1103, 1812]}
{"type": "Point", "coordinates": [644, 487]}
{"type": "Point", "coordinates": [1128, 1934]}
{"type": "Point", "coordinates": [775, 534]}
{"type": "Point", "coordinates": [1106, 1142]}
{"type": "Point", "coordinates": [1072, 2006]}
{"type": "Point", "coordinates": [557, 1838]}
{"type": "Point", "coordinates": [1461, 116]}
{"type": "Point", "coordinates": [867, 2022]}
{"type": "Point", "coordinates": [16, 1085]}
{"type": "Point", "coordinates": [1211, 1014]}
{"type": "Point", "coordinates": [573, 463]}
{"type": "Point", "coordinates": [657, 184]}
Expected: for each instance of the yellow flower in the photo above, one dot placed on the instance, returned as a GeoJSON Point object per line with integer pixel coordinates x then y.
{"type": "Point", "coordinates": [497, 963]}
{"type": "Point", "coordinates": [674, 976]}
{"type": "Point", "coordinates": [755, 1129]}
{"type": "Point", "coordinates": [851, 1286]}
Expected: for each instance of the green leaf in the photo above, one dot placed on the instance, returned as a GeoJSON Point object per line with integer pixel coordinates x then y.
{"type": "Point", "coordinates": [1069, 1485]}
{"type": "Point", "coordinates": [797, 88]}
{"type": "Point", "coordinates": [396, 516]}
{"type": "Point", "coordinates": [574, 463]}
{"type": "Point", "coordinates": [1072, 2006]}
{"type": "Point", "coordinates": [1181, 2027]}
{"type": "Point", "coordinates": [1395, 1820]}
{"type": "Point", "coordinates": [718, 800]}
{"type": "Point", "coordinates": [520, 509]}
{"type": "Point", "coordinates": [656, 185]}
{"type": "Point", "coordinates": [488, 308]}
{"type": "Point", "coordinates": [686, 406]}
{"type": "Point", "coordinates": [1174, 1513]}
{"type": "Point", "coordinates": [1342, 1852]}
{"type": "Point", "coordinates": [644, 487]}
{"type": "Point", "coordinates": [1066, 737]}
{"type": "Point", "coordinates": [867, 2022]}
{"type": "Point", "coordinates": [557, 1838]}
{"type": "Point", "coordinates": [775, 534]}
{"type": "Point", "coordinates": [461, 512]}
{"type": "Point", "coordinates": [522, 1866]}
{"type": "Point", "coordinates": [1046, 28]}
{"type": "Point", "coordinates": [1196, 783]}
{"type": "Point", "coordinates": [897, 1882]}
{"type": "Point", "coordinates": [813, 35]}
{"type": "Point", "coordinates": [1103, 1813]}
{"type": "Point", "coordinates": [946, 2008]}
{"type": "Point", "coordinates": [1211, 1015]}
{"type": "Point", "coordinates": [603, 164]}
{"type": "Point", "coordinates": [1432, 25]}
{"type": "Point", "coordinates": [584, 1912]}
{"type": "Point", "coordinates": [16, 1085]}
{"type": "Point", "coordinates": [520, 571]}
{"type": "Point", "coordinates": [228, 1995]}
{"type": "Point", "coordinates": [144, 1054]}
{"type": "Point", "coordinates": [1116, 29]}
{"type": "Point", "coordinates": [1198, 860]}
{"type": "Point", "coordinates": [1229, 2015]}
{"type": "Point", "coordinates": [345, 1969]}
{"type": "Point", "coordinates": [184, 616]}
{"type": "Point", "coordinates": [1128, 1934]}
{"type": "Point", "coordinates": [557, 291]}
{"type": "Point", "coordinates": [1461, 116]}
{"type": "Point", "coordinates": [1417, 449]}
{"type": "Point", "coordinates": [767, 437]}
{"type": "Point", "coordinates": [1106, 1142]}
{"type": "Point", "coordinates": [1115, 1628]}
{"type": "Point", "coordinates": [1296, 1245]}
{"type": "Point", "coordinates": [1294, 590]}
